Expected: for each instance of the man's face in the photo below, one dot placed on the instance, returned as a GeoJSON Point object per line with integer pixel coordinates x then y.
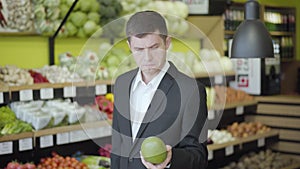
{"type": "Point", "coordinates": [149, 52]}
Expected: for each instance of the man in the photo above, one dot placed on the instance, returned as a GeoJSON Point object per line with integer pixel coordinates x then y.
{"type": "Point", "coordinates": [157, 100]}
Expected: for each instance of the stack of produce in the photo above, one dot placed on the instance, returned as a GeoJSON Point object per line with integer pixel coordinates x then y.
{"type": "Point", "coordinates": [37, 77]}
{"type": "Point", "coordinates": [44, 114]}
{"type": "Point", "coordinates": [107, 64]}
{"type": "Point", "coordinates": [229, 95]}
{"type": "Point", "coordinates": [175, 12]}
{"type": "Point", "coordinates": [219, 136]}
{"type": "Point", "coordinates": [14, 76]}
{"type": "Point", "coordinates": [9, 124]}
{"type": "Point", "coordinates": [109, 10]}
{"type": "Point", "coordinates": [19, 15]}
{"type": "Point", "coordinates": [262, 160]}
{"type": "Point", "coordinates": [57, 161]}
{"type": "Point", "coordinates": [105, 104]}
{"type": "Point", "coordinates": [17, 165]}
{"type": "Point", "coordinates": [98, 162]}
{"type": "Point", "coordinates": [245, 129]}
{"type": "Point", "coordinates": [57, 74]}
{"type": "Point", "coordinates": [82, 22]}
{"type": "Point", "coordinates": [212, 62]}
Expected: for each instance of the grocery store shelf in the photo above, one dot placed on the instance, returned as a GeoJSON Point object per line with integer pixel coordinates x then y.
{"type": "Point", "coordinates": [207, 75]}
{"type": "Point", "coordinates": [272, 33]}
{"type": "Point", "coordinates": [293, 166]}
{"type": "Point", "coordinates": [55, 130]}
{"type": "Point", "coordinates": [60, 85]}
{"type": "Point", "coordinates": [69, 128]}
{"type": "Point", "coordinates": [3, 87]}
{"type": "Point", "coordinates": [289, 99]}
{"type": "Point", "coordinates": [234, 105]}
{"type": "Point", "coordinates": [279, 33]}
{"type": "Point", "coordinates": [243, 140]}
{"type": "Point", "coordinates": [13, 137]}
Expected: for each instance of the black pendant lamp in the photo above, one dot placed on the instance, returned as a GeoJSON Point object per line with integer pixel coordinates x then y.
{"type": "Point", "coordinates": [252, 39]}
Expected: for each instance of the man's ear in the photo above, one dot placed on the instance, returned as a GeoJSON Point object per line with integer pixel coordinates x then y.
{"type": "Point", "coordinates": [168, 42]}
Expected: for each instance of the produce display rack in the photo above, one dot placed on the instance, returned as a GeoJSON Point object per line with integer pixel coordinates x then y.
{"type": "Point", "coordinates": [65, 140]}
{"type": "Point", "coordinates": [4, 94]}
{"type": "Point", "coordinates": [211, 79]}
{"type": "Point", "coordinates": [234, 112]}
{"type": "Point", "coordinates": [233, 150]}
{"type": "Point", "coordinates": [60, 90]}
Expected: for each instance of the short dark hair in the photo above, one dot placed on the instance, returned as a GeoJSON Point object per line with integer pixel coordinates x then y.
{"type": "Point", "coordinates": [145, 22]}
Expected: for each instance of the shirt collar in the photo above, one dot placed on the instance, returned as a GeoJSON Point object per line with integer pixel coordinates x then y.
{"type": "Point", "coordinates": [138, 77]}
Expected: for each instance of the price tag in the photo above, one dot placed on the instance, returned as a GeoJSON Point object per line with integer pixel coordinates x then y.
{"type": "Point", "coordinates": [229, 150]}
{"type": "Point", "coordinates": [1, 98]}
{"type": "Point", "coordinates": [62, 138]}
{"type": "Point", "coordinates": [47, 93]}
{"type": "Point", "coordinates": [94, 132]}
{"type": "Point", "coordinates": [70, 91]}
{"type": "Point", "coordinates": [101, 89]}
{"type": "Point", "coordinates": [78, 135]}
{"type": "Point", "coordinates": [261, 142]}
{"type": "Point", "coordinates": [25, 144]}
{"type": "Point", "coordinates": [26, 95]}
{"type": "Point", "coordinates": [6, 148]}
{"type": "Point", "coordinates": [218, 79]}
{"type": "Point", "coordinates": [239, 110]}
{"type": "Point", "coordinates": [210, 155]}
{"type": "Point", "coordinates": [211, 114]}
{"type": "Point", "coordinates": [46, 141]}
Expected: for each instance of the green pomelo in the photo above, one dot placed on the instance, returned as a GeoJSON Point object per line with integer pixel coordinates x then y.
{"type": "Point", "coordinates": [154, 150]}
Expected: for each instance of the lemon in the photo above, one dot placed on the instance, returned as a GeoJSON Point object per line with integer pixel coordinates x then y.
{"type": "Point", "coordinates": [154, 150]}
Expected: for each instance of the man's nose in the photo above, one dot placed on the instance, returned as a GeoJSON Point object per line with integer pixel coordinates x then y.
{"type": "Point", "coordinates": [148, 55]}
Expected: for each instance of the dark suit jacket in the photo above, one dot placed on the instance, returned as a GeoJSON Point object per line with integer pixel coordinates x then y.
{"type": "Point", "coordinates": [176, 114]}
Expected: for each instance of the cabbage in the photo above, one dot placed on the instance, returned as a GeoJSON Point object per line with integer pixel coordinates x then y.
{"type": "Point", "coordinates": [39, 12]}
{"type": "Point", "coordinates": [95, 6]}
{"type": "Point", "coordinates": [51, 3]}
{"type": "Point", "coordinates": [94, 16]}
{"type": "Point", "coordinates": [89, 27]}
{"type": "Point", "coordinates": [63, 10]}
{"type": "Point", "coordinates": [71, 29]}
{"type": "Point", "coordinates": [81, 33]}
{"type": "Point", "coordinates": [78, 18]}
{"type": "Point", "coordinates": [85, 5]}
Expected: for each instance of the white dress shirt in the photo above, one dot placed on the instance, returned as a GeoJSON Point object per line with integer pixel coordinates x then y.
{"type": "Point", "coordinates": [140, 98]}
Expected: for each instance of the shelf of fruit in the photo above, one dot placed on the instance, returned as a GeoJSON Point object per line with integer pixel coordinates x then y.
{"type": "Point", "coordinates": [273, 33]}
{"type": "Point", "coordinates": [239, 141]}
{"type": "Point", "coordinates": [55, 130]}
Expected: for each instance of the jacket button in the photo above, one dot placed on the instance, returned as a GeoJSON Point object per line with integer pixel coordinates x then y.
{"type": "Point", "coordinates": [130, 159]}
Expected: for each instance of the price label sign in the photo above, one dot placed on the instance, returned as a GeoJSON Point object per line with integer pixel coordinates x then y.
{"type": "Point", "coordinates": [46, 141]}
{"type": "Point", "coordinates": [6, 148]}
{"type": "Point", "coordinates": [101, 89]}
{"type": "Point", "coordinates": [70, 91]}
{"type": "Point", "coordinates": [25, 144]}
{"type": "Point", "coordinates": [211, 114]}
{"type": "Point", "coordinates": [78, 135]}
{"type": "Point", "coordinates": [210, 155]}
{"type": "Point", "coordinates": [261, 142]}
{"type": "Point", "coordinates": [26, 95]}
{"type": "Point", "coordinates": [94, 132]}
{"type": "Point", "coordinates": [62, 138]}
{"type": "Point", "coordinates": [1, 98]}
{"type": "Point", "coordinates": [229, 150]}
{"type": "Point", "coordinates": [218, 79]}
{"type": "Point", "coordinates": [239, 110]}
{"type": "Point", "coordinates": [46, 93]}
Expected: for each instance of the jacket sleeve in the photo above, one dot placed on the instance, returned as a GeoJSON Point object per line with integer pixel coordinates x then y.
{"type": "Point", "coordinates": [116, 143]}
{"type": "Point", "coordinates": [191, 152]}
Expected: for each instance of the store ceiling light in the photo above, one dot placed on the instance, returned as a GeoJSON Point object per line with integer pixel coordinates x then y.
{"type": "Point", "coordinates": [252, 39]}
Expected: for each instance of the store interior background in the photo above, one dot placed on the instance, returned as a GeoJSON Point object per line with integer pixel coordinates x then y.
{"type": "Point", "coordinates": [31, 51]}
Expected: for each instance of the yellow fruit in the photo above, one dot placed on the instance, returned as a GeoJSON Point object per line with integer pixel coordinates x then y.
{"type": "Point", "coordinates": [154, 150]}
{"type": "Point", "coordinates": [110, 97]}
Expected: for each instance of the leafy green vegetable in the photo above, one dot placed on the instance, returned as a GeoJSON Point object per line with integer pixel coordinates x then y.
{"type": "Point", "coordinates": [6, 116]}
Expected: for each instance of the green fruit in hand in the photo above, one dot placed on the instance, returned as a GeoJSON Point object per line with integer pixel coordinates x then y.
{"type": "Point", "coordinates": [154, 150]}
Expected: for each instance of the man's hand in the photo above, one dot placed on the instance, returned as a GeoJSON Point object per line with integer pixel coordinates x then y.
{"type": "Point", "coordinates": [161, 165]}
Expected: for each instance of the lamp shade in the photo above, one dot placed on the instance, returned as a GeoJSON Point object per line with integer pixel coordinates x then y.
{"type": "Point", "coordinates": [252, 39]}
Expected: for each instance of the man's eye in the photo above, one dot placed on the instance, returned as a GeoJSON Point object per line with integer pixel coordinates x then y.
{"type": "Point", "coordinates": [154, 46]}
